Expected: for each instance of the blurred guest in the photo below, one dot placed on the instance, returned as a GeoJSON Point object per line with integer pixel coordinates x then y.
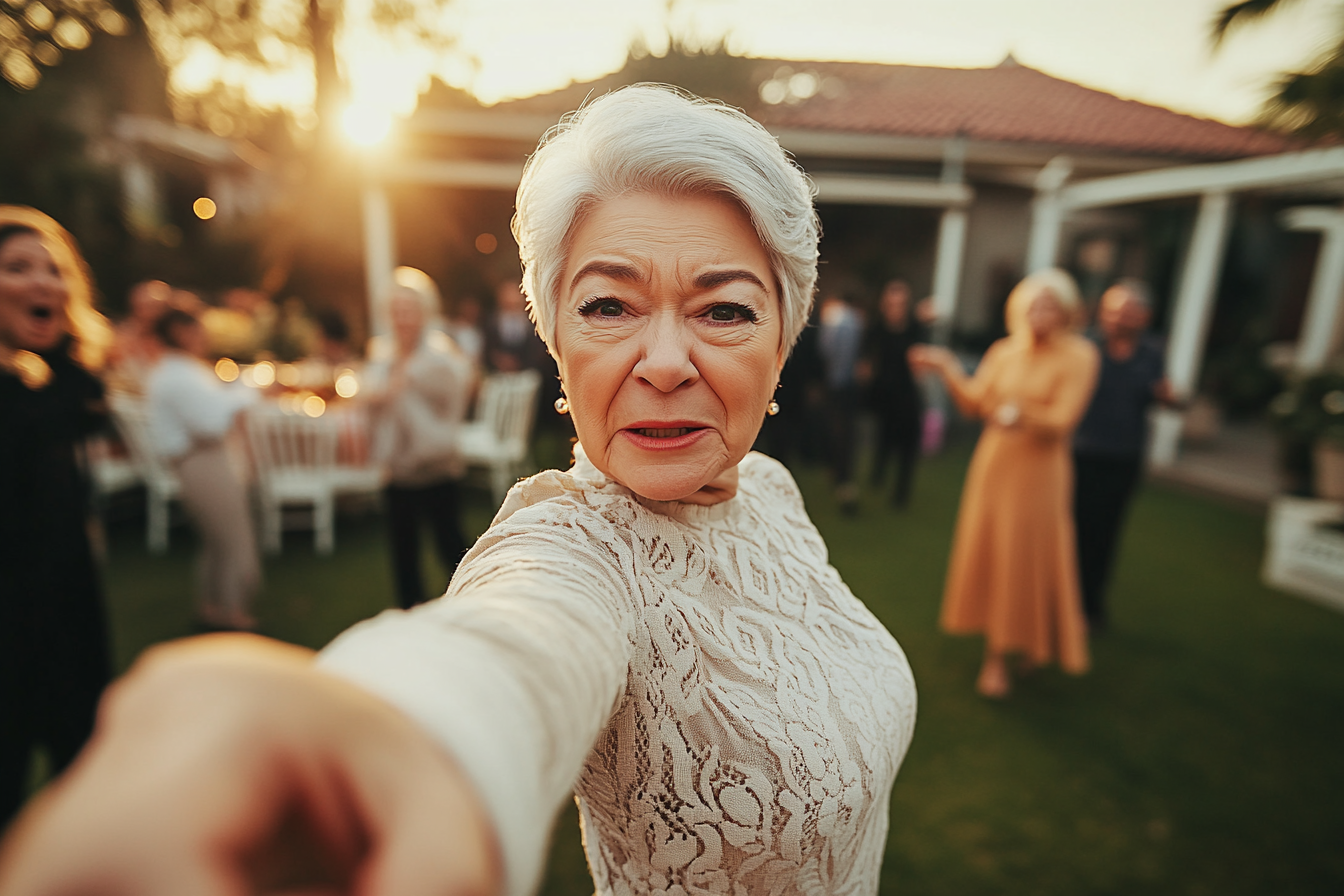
{"type": "Point", "coordinates": [794, 433]}
{"type": "Point", "coordinates": [839, 339]}
{"type": "Point", "coordinates": [294, 334]}
{"type": "Point", "coordinates": [465, 328]}
{"type": "Point", "coordinates": [417, 392]}
{"type": "Point", "coordinates": [331, 355]}
{"type": "Point", "coordinates": [191, 413]}
{"type": "Point", "coordinates": [1013, 573]}
{"type": "Point", "coordinates": [1109, 444]}
{"type": "Point", "coordinates": [53, 633]}
{"type": "Point", "coordinates": [240, 327]}
{"type": "Point", "coordinates": [137, 349]}
{"type": "Point", "coordinates": [511, 342]}
{"type": "Point", "coordinates": [893, 394]}
{"type": "Point", "coordinates": [333, 342]}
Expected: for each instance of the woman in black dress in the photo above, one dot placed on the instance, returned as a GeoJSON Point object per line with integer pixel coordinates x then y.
{"type": "Point", "coordinates": [53, 635]}
{"type": "Point", "coordinates": [894, 394]}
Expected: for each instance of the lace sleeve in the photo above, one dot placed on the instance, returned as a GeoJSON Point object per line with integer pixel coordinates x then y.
{"type": "Point", "coordinates": [515, 670]}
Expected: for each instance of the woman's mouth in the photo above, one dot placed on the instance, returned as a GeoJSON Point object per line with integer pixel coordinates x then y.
{"type": "Point", "coordinates": [664, 433]}
{"type": "Point", "coordinates": [664, 437]}
{"type": "Point", "coordinates": [41, 312]}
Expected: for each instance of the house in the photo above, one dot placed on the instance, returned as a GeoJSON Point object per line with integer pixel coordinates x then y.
{"type": "Point", "coordinates": [961, 180]}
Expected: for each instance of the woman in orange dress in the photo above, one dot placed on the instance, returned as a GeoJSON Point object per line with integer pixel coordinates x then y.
{"type": "Point", "coordinates": [1013, 573]}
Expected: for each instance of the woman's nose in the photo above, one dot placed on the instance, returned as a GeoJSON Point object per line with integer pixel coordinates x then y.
{"type": "Point", "coordinates": [665, 356]}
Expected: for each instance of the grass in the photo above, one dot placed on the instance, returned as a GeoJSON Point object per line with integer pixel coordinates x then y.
{"type": "Point", "coordinates": [1203, 754]}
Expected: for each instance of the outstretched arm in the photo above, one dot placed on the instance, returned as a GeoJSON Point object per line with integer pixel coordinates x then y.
{"type": "Point", "coordinates": [968, 392]}
{"type": "Point", "coordinates": [229, 765]}
{"type": "Point", "coordinates": [423, 753]}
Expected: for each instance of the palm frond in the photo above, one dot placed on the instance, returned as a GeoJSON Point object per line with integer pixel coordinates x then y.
{"type": "Point", "coordinates": [1238, 14]}
{"type": "Point", "coordinates": [1310, 103]}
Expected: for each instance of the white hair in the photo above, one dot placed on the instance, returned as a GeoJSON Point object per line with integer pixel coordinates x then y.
{"type": "Point", "coordinates": [657, 138]}
{"type": "Point", "coordinates": [1058, 282]}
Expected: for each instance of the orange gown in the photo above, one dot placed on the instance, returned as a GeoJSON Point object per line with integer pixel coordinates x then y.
{"type": "Point", "coordinates": [1013, 574]}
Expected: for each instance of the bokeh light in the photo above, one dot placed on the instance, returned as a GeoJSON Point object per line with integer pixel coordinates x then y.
{"type": "Point", "coordinates": [347, 384]}
{"type": "Point", "coordinates": [287, 375]}
{"type": "Point", "coordinates": [314, 406]}
{"type": "Point", "coordinates": [226, 369]}
{"type": "Point", "coordinates": [263, 374]}
{"type": "Point", "coordinates": [486, 243]}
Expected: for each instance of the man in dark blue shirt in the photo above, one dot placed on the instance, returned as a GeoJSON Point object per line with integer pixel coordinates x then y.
{"type": "Point", "coordinates": [1108, 445]}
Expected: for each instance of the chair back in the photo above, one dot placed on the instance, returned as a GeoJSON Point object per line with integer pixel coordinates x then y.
{"type": "Point", "coordinates": [508, 404]}
{"type": "Point", "coordinates": [290, 444]}
{"type": "Point", "coordinates": [131, 418]}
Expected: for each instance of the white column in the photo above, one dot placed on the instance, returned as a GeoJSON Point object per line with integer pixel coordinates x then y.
{"type": "Point", "coordinates": [1047, 214]}
{"type": "Point", "coordinates": [947, 269]}
{"type": "Point", "coordinates": [380, 252]}
{"type": "Point", "coordinates": [1191, 317]}
{"type": "Point", "coordinates": [1325, 302]}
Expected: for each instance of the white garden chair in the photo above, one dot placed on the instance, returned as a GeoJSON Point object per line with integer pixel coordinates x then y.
{"type": "Point", "coordinates": [131, 418]}
{"type": "Point", "coordinates": [294, 458]}
{"type": "Point", "coordinates": [499, 439]}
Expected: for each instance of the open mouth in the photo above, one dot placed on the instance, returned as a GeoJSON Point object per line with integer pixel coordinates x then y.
{"type": "Point", "coordinates": [40, 312]}
{"type": "Point", "coordinates": [664, 433]}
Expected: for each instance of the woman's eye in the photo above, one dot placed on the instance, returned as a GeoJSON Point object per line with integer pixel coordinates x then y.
{"type": "Point", "coordinates": [602, 308]}
{"type": "Point", "coordinates": [729, 313]}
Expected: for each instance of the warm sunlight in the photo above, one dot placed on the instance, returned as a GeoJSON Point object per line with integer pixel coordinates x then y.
{"type": "Point", "coordinates": [366, 125]}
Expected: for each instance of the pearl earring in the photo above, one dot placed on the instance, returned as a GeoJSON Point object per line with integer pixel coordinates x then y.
{"type": "Point", "coordinates": [772, 408]}
{"type": "Point", "coordinates": [562, 405]}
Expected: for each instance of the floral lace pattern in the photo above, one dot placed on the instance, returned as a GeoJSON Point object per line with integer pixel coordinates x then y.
{"type": "Point", "coordinates": [765, 711]}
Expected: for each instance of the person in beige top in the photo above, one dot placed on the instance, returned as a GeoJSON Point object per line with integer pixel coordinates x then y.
{"type": "Point", "coordinates": [1013, 574]}
{"type": "Point", "coordinates": [417, 387]}
{"type": "Point", "coordinates": [657, 628]}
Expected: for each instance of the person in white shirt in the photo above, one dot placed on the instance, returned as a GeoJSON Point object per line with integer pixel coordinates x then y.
{"type": "Point", "coordinates": [656, 629]}
{"type": "Point", "coordinates": [191, 412]}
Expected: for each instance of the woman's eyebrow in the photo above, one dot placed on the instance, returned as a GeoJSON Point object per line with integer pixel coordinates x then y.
{"type": "Point", "coordinates": [711, 279]}
{"type": "Point", "coordinates": [615, 270]}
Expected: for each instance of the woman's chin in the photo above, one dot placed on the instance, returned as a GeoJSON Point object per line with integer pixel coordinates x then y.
{"type": "Point", "coordinates": [661, 491]}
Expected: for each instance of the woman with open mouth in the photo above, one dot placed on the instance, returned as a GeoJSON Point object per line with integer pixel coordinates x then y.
{"type": "Point", "coordinates": [53, 637]}
{"type": "Point", "coordinates": [656, 629]}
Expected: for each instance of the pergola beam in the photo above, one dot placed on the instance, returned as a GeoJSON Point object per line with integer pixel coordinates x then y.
{"type": "Point", "coordinates": [1286, 170]}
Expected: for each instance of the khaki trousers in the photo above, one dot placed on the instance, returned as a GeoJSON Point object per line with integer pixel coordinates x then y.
{"type": "Point", "coordinates": [228, 569]}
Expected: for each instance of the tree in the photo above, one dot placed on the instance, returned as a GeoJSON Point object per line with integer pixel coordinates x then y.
{"type": "Point", "coordinates": [226, 58]}
{"type": "Point", "coordinates": [36, 34]}
{"type": "Point", "coordinates": [1308, 102]}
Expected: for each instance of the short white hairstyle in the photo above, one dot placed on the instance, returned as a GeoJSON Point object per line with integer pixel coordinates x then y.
{"type": "Point", "coordinates": [653, 138]}
{"type": "Point", "coordinates": [1058, 282]}
{"type": "Point", "coordinates": [415, 283]}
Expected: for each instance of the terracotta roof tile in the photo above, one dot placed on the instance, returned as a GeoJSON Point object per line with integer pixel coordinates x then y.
{"type": "Point", "coordinates": [1009, 103]}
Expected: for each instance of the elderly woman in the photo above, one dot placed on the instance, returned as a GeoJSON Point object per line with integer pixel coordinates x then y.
{"type": "Point", "coordinates": [418, 387]}
{"type": "Point", "coordinates": [656, 628]}
{"type": "Point", "coordinates": [1013, 573]}
{"type": "Point", "coordinates": [53, 637]}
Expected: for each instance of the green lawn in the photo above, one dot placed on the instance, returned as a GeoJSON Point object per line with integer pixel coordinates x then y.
{"type": "Point", "coordinates": [1203, 754]}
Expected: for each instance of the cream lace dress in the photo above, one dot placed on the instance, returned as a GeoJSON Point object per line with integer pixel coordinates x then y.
{"type": "Point", "coordinates": [728, 714]}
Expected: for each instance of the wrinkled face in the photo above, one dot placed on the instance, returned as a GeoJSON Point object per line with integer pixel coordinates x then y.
{"type": "Point", "coordinates": [1121, 315]}
{"type": "Point", "coordinates": [1044, 314]}
{"type": "Point", "coordinates": [408, 321]}
{"type": "Point", "coordinates": [33, 295]}
{"type": "Point", "coordinates": [669, 339]}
